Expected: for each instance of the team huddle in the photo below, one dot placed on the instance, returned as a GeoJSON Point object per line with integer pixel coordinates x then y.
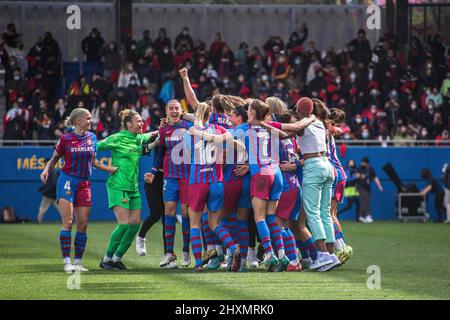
{"type": "Point", "coordinates": [241, 171]}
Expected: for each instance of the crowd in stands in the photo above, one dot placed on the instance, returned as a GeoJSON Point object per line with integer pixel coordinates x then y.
{"type": "Point", "coordinates": [387, 95]}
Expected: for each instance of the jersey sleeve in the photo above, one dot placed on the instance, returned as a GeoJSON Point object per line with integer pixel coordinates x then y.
{"type": "Point", "coordinates": [145, 137]}
{"type": "Point", "coordinates": [109, 143]}
{"type": "Point", "coordinates": [159, 158]}
{"type": "Point", "coordinates": [276, 125]}
{"type": "Point", "coordinates": [161, 136]}
{"type": "Point", "coordinates": [60, 146]}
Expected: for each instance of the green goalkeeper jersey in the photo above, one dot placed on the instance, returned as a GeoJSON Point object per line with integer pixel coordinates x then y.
{"type": "Point", "coordinates": [126, 150]}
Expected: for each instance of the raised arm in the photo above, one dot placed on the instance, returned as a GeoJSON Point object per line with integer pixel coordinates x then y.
{"type": "Point", "coordinates": [188, 91]}
{"type": "Point", "coordinates": [188, 117]}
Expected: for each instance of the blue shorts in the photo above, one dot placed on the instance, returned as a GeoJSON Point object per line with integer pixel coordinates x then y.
{"type": "Point", "coordinates": [76, 190]}
{"type": "Point", "coordinates": [209, 194]}
{"type": "Point", "coordinates": [245, 201]}
{"type": "Point", "coordinates": [175, 189]}
{"type": "Point", "coordinates": [277, 188]}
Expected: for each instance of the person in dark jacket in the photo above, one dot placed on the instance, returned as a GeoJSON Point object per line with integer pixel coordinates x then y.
{"type": "Point", "coordinates": [360, 48]}
{"type": "Point", "coordinates": [92, 46]}
{"type": "Point", "coordinates": [48, 191]}
{"type": "Point", "coordinates": [434, 187]}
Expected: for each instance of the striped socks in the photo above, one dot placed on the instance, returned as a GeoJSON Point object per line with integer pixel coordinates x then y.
{"type": "Point", "coordinates": [304, 252]}
{"type": "Point", "coordinates": [207, 233]}
{"type": "Point", "coordinates": [80, 245]}
{"type": "Point", "coordinates": [225, 238]}
{"type": "Point", "coordinates": [243, 238]}
{"type": "Point", "coordinates": [65, 241]}
{"type": "Point", "coordinates": [169, 232]}
{"type": "Point", "coordinates": [264, 234]}
{"type": "Point", "coordinates": [275, 232]}
{"type": "Point", "coordinates": [289, 242]}
{"type": "Point", "coordinates": [311, 248]}
{"type": "Point", "coordinates": [338, 234]}
{"type": "Point", "coordinates": [196, 244]}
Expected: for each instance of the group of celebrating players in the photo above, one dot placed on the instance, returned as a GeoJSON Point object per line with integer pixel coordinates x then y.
{"type": "Point", "coordinates": [240, 170]}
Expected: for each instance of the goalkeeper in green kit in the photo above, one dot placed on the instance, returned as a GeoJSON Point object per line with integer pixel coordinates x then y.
{"type": "Point", "coordinates": [122, 186]}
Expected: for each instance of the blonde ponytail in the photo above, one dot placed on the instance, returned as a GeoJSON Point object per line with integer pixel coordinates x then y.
{"type": "Point", "coordinates": [74, 115]}
{"type": "Point", "coordinates": [203, 111]}
{"type": "Point", "coordinates": [126, 115]}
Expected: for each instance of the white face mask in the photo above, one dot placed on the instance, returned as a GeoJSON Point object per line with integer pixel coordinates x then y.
{"type": "Point", "coordinates": [352, 76]}
{"type": "Point", "coordinates": [17, 78]}
{"type": "Point", "coordinates": [365, 134]}
{"type": "Point", "coordinates": [166, 51]}
{"type": "Point", "coordinates": [265, 78]}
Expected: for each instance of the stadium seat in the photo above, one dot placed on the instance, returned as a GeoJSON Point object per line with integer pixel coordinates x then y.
{"type": "Point", "coordinates": [71, 72]}
{"type": "Point", "coordinates": [89, 68]}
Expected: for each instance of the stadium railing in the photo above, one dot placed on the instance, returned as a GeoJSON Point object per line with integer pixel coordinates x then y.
{"type": "Point", "coordinates": [356, 143]}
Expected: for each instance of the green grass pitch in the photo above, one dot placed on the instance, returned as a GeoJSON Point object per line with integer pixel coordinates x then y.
{"type": "Point", "coordinates": [413, 258]}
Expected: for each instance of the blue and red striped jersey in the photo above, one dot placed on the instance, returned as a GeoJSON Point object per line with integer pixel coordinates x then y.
{"type": "Point", "coordinates": [288, 153]}
{"type": "Point", "coordinates": [220, 119]}
{"type": "Point", "coordinates": [233, 158]}
{"type": "Point", "coordinates": [332, 156]}
{"type": "Point", "coordinates": [204, 156]}
{"type": "Point", "coordinates": [78, 153]}
{"type": "Point", "coordinates": [170, 136]}
{"type": "Point", "coordinates": [259, 145]}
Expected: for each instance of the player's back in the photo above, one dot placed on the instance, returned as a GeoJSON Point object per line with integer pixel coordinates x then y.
{"type": "Point", "coordinates": [204, 156]}
{"type": "Point", "coordinates": [258, 142]}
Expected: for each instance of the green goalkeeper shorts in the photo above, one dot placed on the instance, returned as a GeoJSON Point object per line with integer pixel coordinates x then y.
{"type": "Point", "coordinates": [124, 199]}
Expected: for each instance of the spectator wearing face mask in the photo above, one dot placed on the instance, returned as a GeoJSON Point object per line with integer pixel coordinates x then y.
{"type": "Point", "coordinates": [144, 43]}
{"type": "Point", "coordinates": [132, 52]}
{"type": "Point", "coordinates": [112, 61]}
{"type": "Point", "coordinates": [125, 76]}
{"type": "Point", "coordinates": [184, 38]}
{"type": "Point", "coordinates": [210, 72]}
{"type": "Point", "coordinates": [92, 46]}
{"type": "Point", "coordinates": [436, 97]}
{"type": "Point", "coordinates": [165, 62]}
{"type": "Point", "coordinates": [37, 56]}
{"type": "Point", "coordinates": [360, 48]}
{"type": "Point", "coordinates": [162, 42]}
{"type": "Point", "coordinates": [402, 135]}
{"type": "Point", "coordinates": [280, 69]}
{"type": "Point", "coordinates": [15, 87]}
